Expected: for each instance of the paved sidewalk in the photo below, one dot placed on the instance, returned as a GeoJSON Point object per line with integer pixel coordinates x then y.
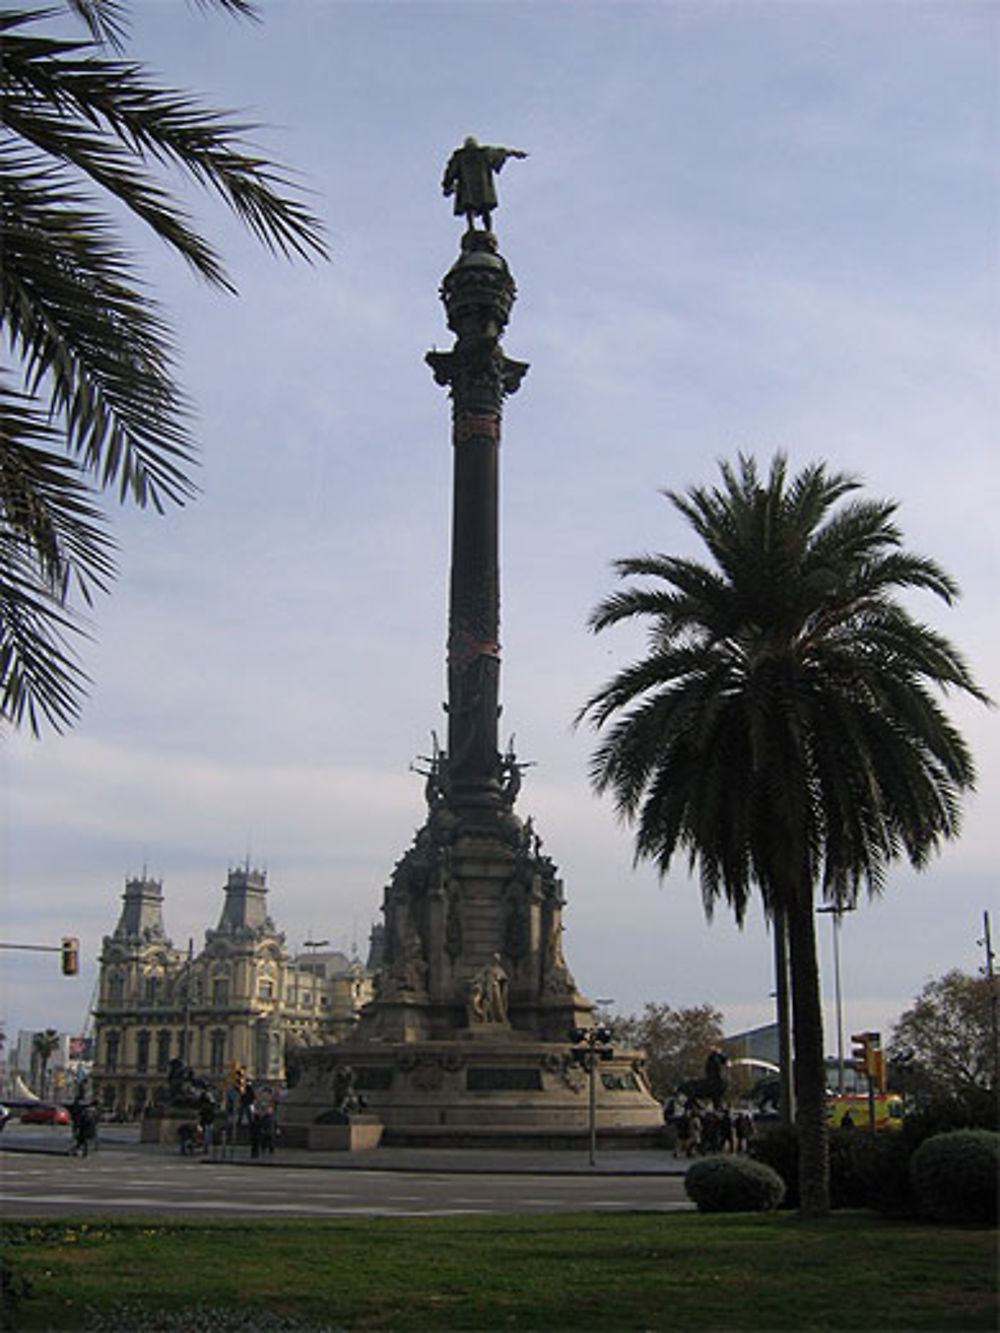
{"type": "Point", "coordinates": [479, 1161]}
{"type": "Point", "coordinates": [439, 1161]}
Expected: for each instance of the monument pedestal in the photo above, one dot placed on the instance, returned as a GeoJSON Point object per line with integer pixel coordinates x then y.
{"type": "Point", "coordinates": [355, 1133]}
{"type": "Point", "coordinates": [504, 1092]}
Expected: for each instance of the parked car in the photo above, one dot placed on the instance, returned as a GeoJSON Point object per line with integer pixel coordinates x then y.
{"type": "Point", "coordinates": [4, 1116]}
{"type": "Point", "coordinates": [45, 1115]}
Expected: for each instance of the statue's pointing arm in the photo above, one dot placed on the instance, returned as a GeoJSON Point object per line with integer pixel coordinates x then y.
{"type": "Point", "coordinates": [498, 156]}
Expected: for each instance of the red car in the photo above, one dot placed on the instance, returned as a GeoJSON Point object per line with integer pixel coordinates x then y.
{"type": "Point", "coordinates": [45, 1115]}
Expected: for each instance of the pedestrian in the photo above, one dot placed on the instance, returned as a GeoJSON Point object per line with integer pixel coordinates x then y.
{"type": "Point", "coordinates": [265, 1110]}
{"type": "Point", "coordinates": [725, 1132]}
{"type": "Point", "coordinates": [247, 1098]}
{"type": "Point", "coordinates": [206, 1118]}
{"type": "Point", "coordinates": [743, 1129]}
{"type": "Point", "coordinates": [255, 1128]}
{"type": "Point", "coordinates": [694, 1133]}
{"type": "Point", "coordinates": [83, 1118]}
{"type": "Point", "coordinates": [682, 1127]}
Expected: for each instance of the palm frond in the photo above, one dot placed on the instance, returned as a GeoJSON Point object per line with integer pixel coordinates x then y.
{"type": "Point", "coordinates": [107, 20]}
{"type": "Point", "coordinates": [40, 678]}
{"type": "Point", "coordinates": [46, 509]}
{"type": "Point", "coordinates": [89, 337]}
{"type": "Point", "coordinates": [68, 102]}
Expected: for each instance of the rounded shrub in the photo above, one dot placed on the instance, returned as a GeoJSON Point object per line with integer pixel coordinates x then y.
{"type": "Point", "coordinates": [733, 1185]}
{"type": "Point", "coordinates": [954, 1176]}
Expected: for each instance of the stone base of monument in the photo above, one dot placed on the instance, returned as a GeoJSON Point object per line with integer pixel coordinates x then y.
{"type": "Point", "coordinates": [499, 1093]}
{"type": "Point", "coordinates": [352, 1133]}
{"type": "Point", "coordinates": [163, 1126]}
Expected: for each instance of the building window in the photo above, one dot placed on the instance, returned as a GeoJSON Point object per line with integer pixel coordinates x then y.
{"type": "Point", "coordinates": [112, 1051]}
{"type": "Point", "coordinates": [116, 988]}
{"type": "Point", "coordinates": [266, 989]}
{"type": "Point", "coordinates": [217, 1057]}
{"type": "Point", "coordinates": [163, 1049]}
{"type": "Point", "coordinates": [220, 990]}
{"type": "Point", "coordinates": [152, 988]}
{"type": "Point", "coordinates": [142, 1052]}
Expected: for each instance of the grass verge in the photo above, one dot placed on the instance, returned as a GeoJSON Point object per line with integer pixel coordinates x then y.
{"type": "Point", "coordinates": [581, 1272]}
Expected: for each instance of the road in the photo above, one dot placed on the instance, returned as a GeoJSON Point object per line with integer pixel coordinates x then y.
{"type": "Point", "coordinates": [123, 1178]}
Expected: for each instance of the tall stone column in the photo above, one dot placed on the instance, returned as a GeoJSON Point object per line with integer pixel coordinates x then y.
{"type": "Point", "coordinates": [469, 1037]}
{"type": "Point", "coordinates": [478, 293]}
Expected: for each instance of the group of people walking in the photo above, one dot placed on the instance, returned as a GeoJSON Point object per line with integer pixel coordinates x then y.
{"type": "Point", "coordinates": [256, 1107]}
{"type": "Point", "coordinates": [703, 1129]}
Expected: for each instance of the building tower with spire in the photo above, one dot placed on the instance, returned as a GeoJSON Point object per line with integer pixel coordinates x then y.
{"type": "Point", "coordinates": [236, 1002]}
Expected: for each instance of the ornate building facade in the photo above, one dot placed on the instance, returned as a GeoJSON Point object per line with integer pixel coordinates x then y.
{"type": "Point", "coordinates": [240, 1001]}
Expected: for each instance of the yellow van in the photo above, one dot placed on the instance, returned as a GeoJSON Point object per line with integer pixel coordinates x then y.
{"type": "Point", "coordinates": [852, 1108]}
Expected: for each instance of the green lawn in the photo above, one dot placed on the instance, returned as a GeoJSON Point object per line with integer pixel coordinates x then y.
{"type": "Point", "coordinates": [649, 1271]}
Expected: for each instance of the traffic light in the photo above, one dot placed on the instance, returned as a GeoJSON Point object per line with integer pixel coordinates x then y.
{"type": "Point", "coordinates": [70, 956]}
{"type": "Point", "coordinates": [879, 1070]}
{"type": "Point", "coordinates": [859, 1050]}
{"type": "Point", "coordinates": [867, 1054]}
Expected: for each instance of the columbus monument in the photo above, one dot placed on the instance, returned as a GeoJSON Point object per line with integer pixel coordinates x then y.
{"type": "Point", "coordinates": [470, 1037]}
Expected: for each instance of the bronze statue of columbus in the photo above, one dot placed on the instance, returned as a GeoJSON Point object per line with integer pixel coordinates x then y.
{"type": "Point", "coordinates": [469, 177]}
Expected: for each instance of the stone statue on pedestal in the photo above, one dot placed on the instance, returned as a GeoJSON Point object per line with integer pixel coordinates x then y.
{"type": "Point", "coordinates": [469, 177]}
{"type": "Point", "coordinates": [488, 991]}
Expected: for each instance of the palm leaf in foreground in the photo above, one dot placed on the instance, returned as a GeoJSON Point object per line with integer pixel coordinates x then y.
{"type": "Point", "coordinates": [95, 360]}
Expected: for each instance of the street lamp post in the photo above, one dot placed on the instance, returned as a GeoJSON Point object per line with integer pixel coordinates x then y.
{"type": "Point", "coordinates": [186, 1034]}
{"type": "Point", "coordinates": [836, 911]}
{"type": "Point", "coordinates": [592, 1045]}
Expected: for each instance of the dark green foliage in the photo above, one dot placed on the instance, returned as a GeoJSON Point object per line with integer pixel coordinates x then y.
{"type": "Point", "coordinates": [866, 1170]}
{"type": "Point", "coordinates": [970, 1110]}
{"type": "Point", "coordinates": [955, 1176]}
{"type": "Point", "coordinates": [885, 1164]}
{"type": "Point", "coordinates": [783, 733]}
{"type": "Point", "coordinates": [942, 1048]}
{"type": "Point", "coordinates": [874, 1170]}
{"type": "Point", "coordinates": [14, 1288]}
{"type": "Point", "coordinates": [778, 1147]}
{"type": "Point", "coordinates": [733, 1185]}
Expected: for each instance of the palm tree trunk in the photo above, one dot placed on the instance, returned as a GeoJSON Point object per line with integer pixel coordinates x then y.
{"type": "Point", "coordinates": [782, 1000]}
{"type": "Point", "coordinates": [809, 1063]}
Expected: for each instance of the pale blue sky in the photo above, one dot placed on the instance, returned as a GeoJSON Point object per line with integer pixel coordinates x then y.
{"type": "Point", "coordinates": [741, 226]}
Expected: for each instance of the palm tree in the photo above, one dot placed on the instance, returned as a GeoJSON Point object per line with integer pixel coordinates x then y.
{"type": "Point", "coordinates": [43, 1047]}
{"type": "Point", "coordinates": [783, 729]}
{"type": "Point", "coordinates": [91, 404]}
